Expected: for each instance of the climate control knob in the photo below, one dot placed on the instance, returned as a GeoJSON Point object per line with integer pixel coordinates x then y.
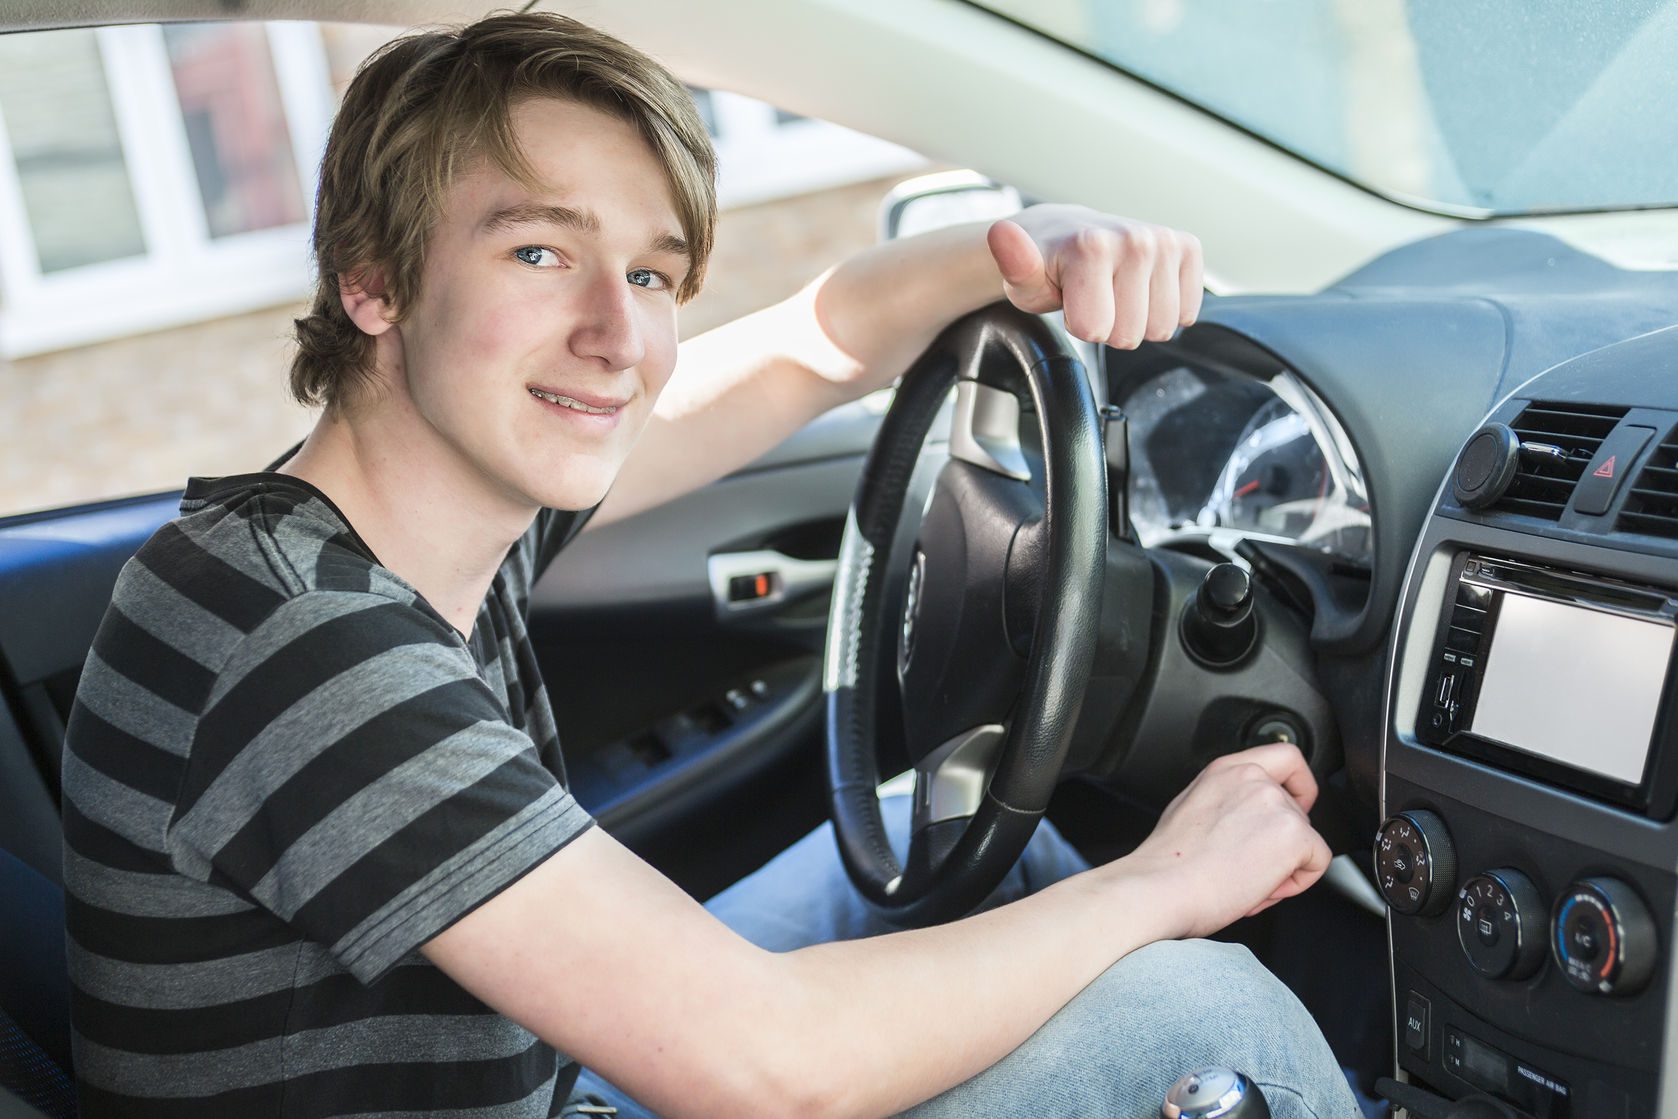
{"type": "Point", "coordinates": [1415, 862]}
{"type": "Point", "coordinates": [1500, 924]}
{"type": "Point", "coordinates": [1603, 937]}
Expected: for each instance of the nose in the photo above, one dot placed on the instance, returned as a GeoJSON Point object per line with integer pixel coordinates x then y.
{"type": "Point", "coordinates": [608, 329]}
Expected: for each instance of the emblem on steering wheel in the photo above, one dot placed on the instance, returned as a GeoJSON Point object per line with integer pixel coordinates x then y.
{"type": "Point", "coordinates": [911, 611]}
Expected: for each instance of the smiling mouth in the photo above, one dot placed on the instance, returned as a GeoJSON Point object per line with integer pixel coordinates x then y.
{"type": "Point", "coordinates": [575, 404]}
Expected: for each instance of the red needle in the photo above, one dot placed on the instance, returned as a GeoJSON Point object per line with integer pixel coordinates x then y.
{"type": "Point", "coordinates": [1246, 489]}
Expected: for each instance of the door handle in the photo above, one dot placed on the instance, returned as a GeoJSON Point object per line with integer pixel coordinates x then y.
{"type": "Point", "coordinates": [746, 583]}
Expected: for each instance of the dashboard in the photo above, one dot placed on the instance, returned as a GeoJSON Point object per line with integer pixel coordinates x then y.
{"type": "Point", "coordinates": [1494, 618]}
{"type": "Point", "coordinates": [1529, 854]}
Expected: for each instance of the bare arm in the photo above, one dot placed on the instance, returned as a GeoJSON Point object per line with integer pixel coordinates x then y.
{"type": "Point", "coordinates": [610, 963]}
{"type": "Point", "coordinates": [740, 389]}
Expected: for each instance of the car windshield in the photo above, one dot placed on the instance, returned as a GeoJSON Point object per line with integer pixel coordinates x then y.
{"type": "Point", "coordinates": [1494, 107]}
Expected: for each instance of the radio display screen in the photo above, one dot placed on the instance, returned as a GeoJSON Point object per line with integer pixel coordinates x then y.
{"type": "Point", "coordinates": [1577, 686]}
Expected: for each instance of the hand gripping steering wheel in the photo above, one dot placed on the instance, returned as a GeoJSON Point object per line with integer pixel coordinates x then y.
{"type": "Point", "coordinates": [994, 643]}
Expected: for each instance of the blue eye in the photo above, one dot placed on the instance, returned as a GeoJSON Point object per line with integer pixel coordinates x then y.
{"type": "Point", "coordinates": [535, 255]}
{"type": "Point", "coordinates": [647, 278]}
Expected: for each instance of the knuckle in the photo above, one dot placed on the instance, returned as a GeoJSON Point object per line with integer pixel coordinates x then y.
{"type": "Point", "coordinates": [1243, 771]}
{"type": "Point", "coordinates": [1141, 242]}
{"type": "Point", "coordinates": [1094, 239]}
{"type": "Point", "coordinates": [1168, 245]}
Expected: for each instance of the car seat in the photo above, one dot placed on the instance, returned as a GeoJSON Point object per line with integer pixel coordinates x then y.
{"type": "Point", "coordinates": [34, 996]}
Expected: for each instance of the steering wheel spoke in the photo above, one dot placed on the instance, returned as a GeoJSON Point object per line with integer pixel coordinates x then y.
{"type": "Point", "coordinates": [985, 430]}
{"type": "Point", "coordinates": [950, 782]}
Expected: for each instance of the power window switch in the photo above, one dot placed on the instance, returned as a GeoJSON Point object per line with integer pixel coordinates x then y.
{"type": "Point", "coordinates": [1417, 1011]}
{"type": "Point", "coordinates": [751, 588]}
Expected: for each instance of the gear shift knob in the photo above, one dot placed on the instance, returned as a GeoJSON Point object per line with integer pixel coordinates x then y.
{"type": "Point", "coordinates": [1214, 1093]}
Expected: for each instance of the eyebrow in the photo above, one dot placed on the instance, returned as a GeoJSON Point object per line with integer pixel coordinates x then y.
{"type": "Point", "coordinates": [569, 217]}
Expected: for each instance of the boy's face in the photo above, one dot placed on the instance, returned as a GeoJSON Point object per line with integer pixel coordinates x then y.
{"type": "Point", "coordinates": [569, 292]}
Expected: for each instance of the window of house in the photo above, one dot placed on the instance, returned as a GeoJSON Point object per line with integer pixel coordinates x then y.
{"type": "Point", "coordinates": [72, 178]}
{"type": "Point", "coordinates": [236, 128]}
{"type": "Point", "coordinates": [150, 176]}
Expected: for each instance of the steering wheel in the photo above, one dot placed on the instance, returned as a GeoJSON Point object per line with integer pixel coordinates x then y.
{"type": "Point", "coordinates": [994, 644]}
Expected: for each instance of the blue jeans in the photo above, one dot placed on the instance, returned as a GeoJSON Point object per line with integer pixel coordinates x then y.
{"type": "Point", "coordinates": [1112, 1051]}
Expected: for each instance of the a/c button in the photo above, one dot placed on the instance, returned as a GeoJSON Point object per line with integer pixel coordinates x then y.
{"type": "Point", "coordinates": [1416, 1013]}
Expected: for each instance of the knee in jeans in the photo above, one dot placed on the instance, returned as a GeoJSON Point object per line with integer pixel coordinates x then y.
{"type": "Point", "coordinates": [1214, 1002]}
{"type": "Point", "coordinates": [1190, 969]}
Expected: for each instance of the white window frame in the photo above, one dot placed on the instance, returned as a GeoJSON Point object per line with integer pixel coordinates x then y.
{"type": "Point", "coordinates": [760, 159]}
{"type": "Point", "coordinates": [184, 275]}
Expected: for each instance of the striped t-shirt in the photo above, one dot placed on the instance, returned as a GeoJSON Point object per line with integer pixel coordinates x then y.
{"type": "Point", "coordinates": [283, 774]}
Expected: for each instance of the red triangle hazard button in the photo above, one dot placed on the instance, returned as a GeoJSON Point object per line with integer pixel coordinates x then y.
{"type": "Point", "coordinates": [1606, 470]}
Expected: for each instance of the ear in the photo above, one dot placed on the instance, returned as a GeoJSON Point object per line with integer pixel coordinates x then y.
{"type": "Point", "coordinates": [363, 297]}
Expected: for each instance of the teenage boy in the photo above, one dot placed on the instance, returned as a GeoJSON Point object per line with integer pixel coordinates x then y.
{"type": "Point", "coordinates": [321, 858]}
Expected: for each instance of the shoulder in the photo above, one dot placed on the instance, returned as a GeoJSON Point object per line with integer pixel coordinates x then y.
{"type": "Point", "coordinates": [253, 553]}
{"type": "Point", "coordinates": [351, 683]}
{"type": "Point", "coordinates": [375, 639]}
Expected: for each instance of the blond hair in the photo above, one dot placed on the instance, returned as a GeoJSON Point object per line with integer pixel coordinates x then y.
{"type": "Point", "coordinates": [420, 111]}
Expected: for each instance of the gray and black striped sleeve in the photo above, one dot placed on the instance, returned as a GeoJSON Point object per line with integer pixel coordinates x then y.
{"type": "Point", "coordinates": [353, 774]}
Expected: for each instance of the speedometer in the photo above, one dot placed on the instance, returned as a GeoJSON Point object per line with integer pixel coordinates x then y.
{"type": "Point", "coordinates": [1219, 455]}
{"type": "Point", "coordinates": [1276, 479]}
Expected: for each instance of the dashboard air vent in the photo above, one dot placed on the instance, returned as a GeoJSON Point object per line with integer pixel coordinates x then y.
{"type": "Point", "coordinates": [1652, 506]}
{"type": "Point", "coordinates": [1544, 481]}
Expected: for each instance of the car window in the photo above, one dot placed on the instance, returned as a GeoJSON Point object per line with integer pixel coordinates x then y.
{"type": "Point", "coordinates": [1499, 106]}
{"type": "Point", "coordinates": [156, 185]}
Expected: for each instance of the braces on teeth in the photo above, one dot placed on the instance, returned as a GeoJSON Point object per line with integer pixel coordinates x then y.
{"type": "Point", "coordinates": [566, 401]}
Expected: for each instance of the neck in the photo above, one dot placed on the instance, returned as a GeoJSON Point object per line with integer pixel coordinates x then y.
{"type": "Point", "coordinates": [425, 513]}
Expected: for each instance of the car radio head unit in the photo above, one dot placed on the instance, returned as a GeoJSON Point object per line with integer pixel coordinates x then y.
{"type": "Point", "coordinates": [1558, 675]}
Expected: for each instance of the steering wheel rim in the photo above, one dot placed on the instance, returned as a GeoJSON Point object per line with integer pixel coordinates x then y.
{"type": "Point", "coordinates": [955, 861]}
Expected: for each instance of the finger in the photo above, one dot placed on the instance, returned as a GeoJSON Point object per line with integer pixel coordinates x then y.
{"type": "Point", "coordinates": [1086, 283]}
{"type": "Point", "coordinates": [1191, 279]}
{"type": "Point", "coordinates": [1292, 886]}
{"type": "Point", "coordinates": [1130, 287]}
{"type": "Point", "coordinates": [1315, 865]}
{"type": "Point", "coordinates": [1164, 292]}
{"type": "Point", "coordinates": [1286, 766]}
{"type": "Point", "coordinates": [1025, 279]}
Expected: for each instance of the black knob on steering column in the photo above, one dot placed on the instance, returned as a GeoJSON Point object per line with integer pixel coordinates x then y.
{"type": "Point", "coordinates": [1214, 1093]}
{"type": "Point", "coordinates": [1219, 628]}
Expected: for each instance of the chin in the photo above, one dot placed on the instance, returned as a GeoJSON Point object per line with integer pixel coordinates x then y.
{"type": "Point", "coordinates": [574, 485]}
